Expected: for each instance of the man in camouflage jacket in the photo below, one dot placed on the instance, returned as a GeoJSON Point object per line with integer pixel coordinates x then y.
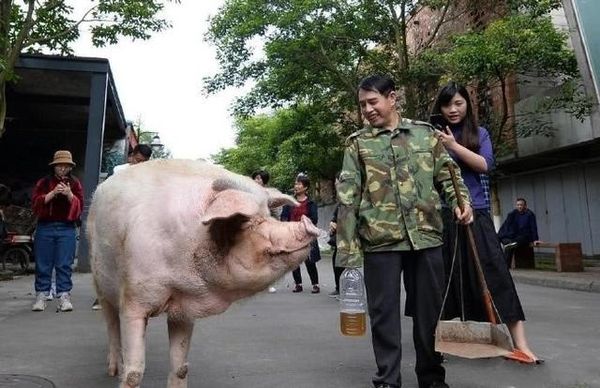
{"type": "Point", "coordinates": [388, 192]}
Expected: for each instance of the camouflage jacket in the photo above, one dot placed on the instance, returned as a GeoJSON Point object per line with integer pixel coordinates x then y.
{"type": "Point", "coordinates": [388, 191]}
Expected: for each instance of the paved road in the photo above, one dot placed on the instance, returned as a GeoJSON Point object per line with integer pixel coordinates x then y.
{"type": "Point", "coordinates": [287, 340]}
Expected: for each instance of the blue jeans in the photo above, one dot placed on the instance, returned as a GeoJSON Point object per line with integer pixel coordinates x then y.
{"type": "Point", "coordinates": [54, 248]}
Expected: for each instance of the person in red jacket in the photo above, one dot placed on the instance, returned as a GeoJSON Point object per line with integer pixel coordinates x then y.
{"type": "Point", "coordinates": [57, 201]}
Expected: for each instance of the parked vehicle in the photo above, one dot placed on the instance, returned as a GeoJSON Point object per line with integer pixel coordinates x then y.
{"type": "Point", "coordinates": [16, 248]}
{"type": "Point", "coordinates": [16, 252]}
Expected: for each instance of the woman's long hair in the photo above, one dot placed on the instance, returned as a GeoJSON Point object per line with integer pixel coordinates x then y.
{"type": "Point", "coordinates": [470, 130]}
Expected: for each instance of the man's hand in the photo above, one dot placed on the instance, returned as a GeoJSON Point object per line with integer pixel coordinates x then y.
{"type": "Point", "coordinates": [464, 217]}
{"type": "Point", "coordinates": [332, 227]}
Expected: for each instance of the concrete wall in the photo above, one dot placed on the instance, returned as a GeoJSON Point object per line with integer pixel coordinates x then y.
{"type": "Point", "coordinates": [532, 90]}
{"type": "Point", "coordinates": [568, 129]}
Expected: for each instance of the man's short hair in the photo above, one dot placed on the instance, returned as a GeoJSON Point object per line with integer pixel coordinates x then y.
{"type": "Point", "coordinates": [264, 176]}
{"type": "Point", "coordinates": [143, 149]}
{"type": "Point", "coordinates": [522, 199]}
{"type": "Point", "coordinates": [380, 83]}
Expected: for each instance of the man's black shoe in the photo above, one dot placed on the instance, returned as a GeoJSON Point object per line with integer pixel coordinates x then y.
{"type": "Point", "coordinates": [439, 384]}
{"type": "Point", "coordinates": [384, 386]}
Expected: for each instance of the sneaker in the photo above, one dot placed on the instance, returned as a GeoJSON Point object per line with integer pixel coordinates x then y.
{"type": "Point", "coordinates": [315, 289]}
{"type": "Point", "coordinates": [40, 302]}
{"type": "Point", "coordinates": [333, 294]}
{"type": "Point", "coordinates": [298, 288]}
{"type": "Point", "coordinates": [50, 296]}
{"type": "Point", "coordinates": [64, 302]}
{"type": "Point", "coordinates": [272, 290]}
{"type": "Point", "coordinates": [96, 305]}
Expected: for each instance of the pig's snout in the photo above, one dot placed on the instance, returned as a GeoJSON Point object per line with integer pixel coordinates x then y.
{"type": "Point", "coordinates": [311, 229]}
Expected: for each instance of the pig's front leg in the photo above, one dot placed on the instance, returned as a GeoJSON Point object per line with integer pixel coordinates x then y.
{"type": "Point", "coordinates": [111, 315]}
{"type": "Point", "coordinates": [180, 336]}
{"type": "Point", "coordinates": [133, 333]}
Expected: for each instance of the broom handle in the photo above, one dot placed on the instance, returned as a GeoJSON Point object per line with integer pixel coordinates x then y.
{"type": "Point", "coordinates": [487, 296]}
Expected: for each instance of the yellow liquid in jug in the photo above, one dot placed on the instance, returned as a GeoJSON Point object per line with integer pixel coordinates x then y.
{"type": "Point", "coordinates": [353, 323]}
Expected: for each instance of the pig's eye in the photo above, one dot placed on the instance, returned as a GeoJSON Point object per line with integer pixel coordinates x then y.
{"type": "Point", "coordinates": [273, 252]}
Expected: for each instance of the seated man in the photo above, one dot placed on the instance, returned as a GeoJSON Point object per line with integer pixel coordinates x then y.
{"type": "Point", "coordinates": [519, 229]}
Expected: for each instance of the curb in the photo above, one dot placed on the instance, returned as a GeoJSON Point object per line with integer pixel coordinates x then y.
{"type": "Point", "coordinates": [568, 284]}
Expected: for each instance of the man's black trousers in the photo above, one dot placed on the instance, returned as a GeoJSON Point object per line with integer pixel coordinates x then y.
{"type": "Point", "coordinates": [423, 281]}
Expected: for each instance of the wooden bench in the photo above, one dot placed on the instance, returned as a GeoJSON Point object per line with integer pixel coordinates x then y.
{"type": "Point", "coordinates": [567, 256]}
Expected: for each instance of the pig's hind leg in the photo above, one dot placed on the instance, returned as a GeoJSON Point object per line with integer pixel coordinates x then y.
{"type": "Point", "coordinates": [111, 315]}
{"type": "Point", "coordinates": [180, 336]}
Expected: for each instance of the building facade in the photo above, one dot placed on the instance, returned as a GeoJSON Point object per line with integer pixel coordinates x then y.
{"type": "Point", "coordinates": [560, 175]}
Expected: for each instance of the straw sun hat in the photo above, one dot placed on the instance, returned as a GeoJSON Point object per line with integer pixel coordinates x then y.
{"type": "Point", "coordinates": [62, 157]}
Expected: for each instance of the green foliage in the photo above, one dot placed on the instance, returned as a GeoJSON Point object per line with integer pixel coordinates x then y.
{"type": "Point", "coordinates": [289, 141]}
{"type": "Point", "coordinates": [517, 44]}
{"type": "Point", "coordinates": [126, 18]}
{"type": "Point", "coordinates": [314, 51]}
{"type": "Point", "coordinates": [533, 8]}
{"type": "Point", "coordinates": [52, 26]}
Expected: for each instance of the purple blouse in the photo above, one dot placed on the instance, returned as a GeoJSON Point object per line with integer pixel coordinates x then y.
{"type": "Point", "coordinates": [473, 179]}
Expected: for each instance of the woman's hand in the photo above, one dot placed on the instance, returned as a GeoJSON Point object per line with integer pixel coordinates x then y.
{"type": "Point", "coordinates": [446, 138]}
{"type": "Point", "coordinates": [60, 188]}
{"type": "Point", "coordinates": [66, 190]}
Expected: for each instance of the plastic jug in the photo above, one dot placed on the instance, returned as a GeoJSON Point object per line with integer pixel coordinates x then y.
{"type": "Point", "coordinates": [353, 302]}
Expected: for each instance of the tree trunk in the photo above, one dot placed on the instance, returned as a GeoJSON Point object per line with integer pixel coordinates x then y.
{"type": "Point", "coordinates": [2, 106]}
{"type": "Point", "coordinates": [11, 54]}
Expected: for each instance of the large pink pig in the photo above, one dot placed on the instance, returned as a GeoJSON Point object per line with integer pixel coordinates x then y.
{"type": "Point", "coordinates": [186, 238]}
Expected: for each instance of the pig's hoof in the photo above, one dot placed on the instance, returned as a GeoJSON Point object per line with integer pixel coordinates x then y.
{"type": "Point", "coordinates": [113, 365]}
{"type": "Point", "coordinates": [178, 378]}
{"type": "Point", "coordinates": [133, 379]}
{"type": "Point", "coordinates": [182, 372]}
{"type": "Point", "coordinates": [113, 370]}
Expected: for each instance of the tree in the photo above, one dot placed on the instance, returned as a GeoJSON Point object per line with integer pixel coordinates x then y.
{"type": "Point", "coordinates": [522, 43]}
{"type": "Point", "coordinates": [316, 51]}
{"type": "Point", "coordinates": [285, 143]}
{"type": "Point", "coordinates": [47, 25]}
{"type": "Point", "coordinates": [516, 45]}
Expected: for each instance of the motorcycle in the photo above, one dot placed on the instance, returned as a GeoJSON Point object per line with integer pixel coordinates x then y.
{"type": "Point", "coordinates": [16, 253]}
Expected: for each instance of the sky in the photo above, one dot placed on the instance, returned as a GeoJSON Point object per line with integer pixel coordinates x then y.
{"type": "Point", "coordinates": [159, 81]}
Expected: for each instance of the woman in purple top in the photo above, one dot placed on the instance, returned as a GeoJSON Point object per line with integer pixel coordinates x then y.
{"type": "Point", "coordinates": [471, 148]}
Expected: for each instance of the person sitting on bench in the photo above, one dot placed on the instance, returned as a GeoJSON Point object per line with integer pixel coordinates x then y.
{"type": "Point", "coordinates": [518, 230]}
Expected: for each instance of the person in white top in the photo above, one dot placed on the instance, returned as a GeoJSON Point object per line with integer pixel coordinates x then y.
{"type": "Point", "coordinates": [141, 153]}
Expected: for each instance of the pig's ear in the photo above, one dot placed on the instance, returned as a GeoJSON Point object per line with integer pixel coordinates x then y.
{"type": "Point", "coordinates": [229, 203]}
{"type": "Point", "coordinates": [277, 198]}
